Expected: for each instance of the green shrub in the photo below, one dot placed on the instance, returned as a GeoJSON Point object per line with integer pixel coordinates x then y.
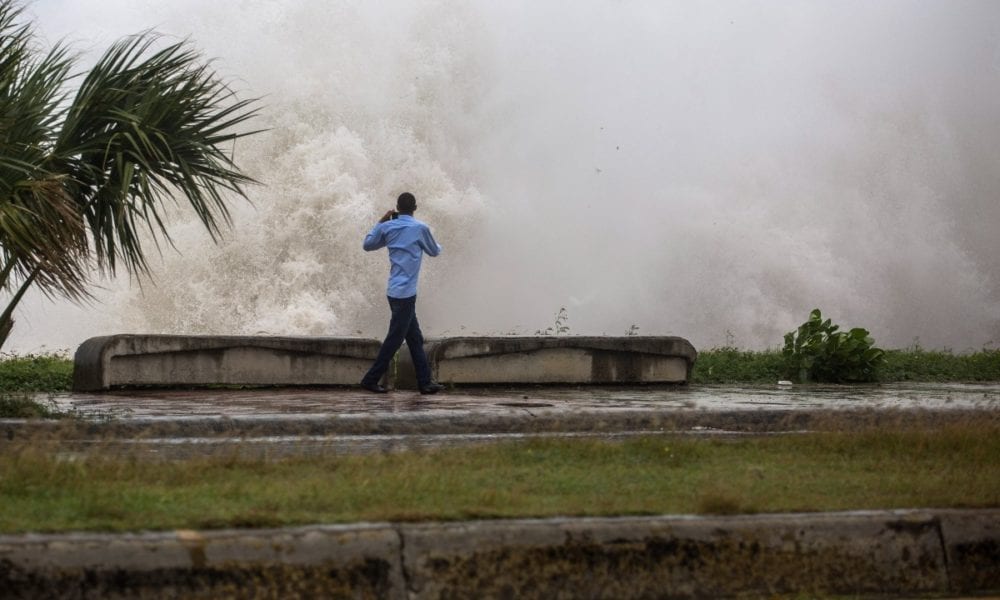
{"type": "Point", "coordinates": [732, 365]}
{"type": "Point", "coordinates": [35, 373]}
{"type": "Point", "coordinates": [728, 365]}
{"type": "Point", "coordinates": [917, 364]}
{"type": "Point", "coordinates": [819, 352]}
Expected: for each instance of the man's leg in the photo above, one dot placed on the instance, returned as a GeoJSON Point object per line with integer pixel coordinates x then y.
{"type": "Point", "coordinates": [399, 324]}
{"type": "Point", "coordinates": [415, 342]}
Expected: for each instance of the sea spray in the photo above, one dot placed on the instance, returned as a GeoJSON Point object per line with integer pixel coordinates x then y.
{"type": "Point", "coordinates": [709, 170]}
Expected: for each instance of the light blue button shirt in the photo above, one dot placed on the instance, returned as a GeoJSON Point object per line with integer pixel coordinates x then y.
{"type": "Point", "coordinates": [408, 240]}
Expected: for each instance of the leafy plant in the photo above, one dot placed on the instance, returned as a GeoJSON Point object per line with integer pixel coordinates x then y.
{"type": "Point", "coordinates": [917, 364]}
{"type": "Point", "coordinates": [732, 365]}
{"type": "Point", "coordinates": [559, 327]}
{"type": "Point", "coordinates": [819, 352]}
{"type": "Point", "coordinates": [35, 372]}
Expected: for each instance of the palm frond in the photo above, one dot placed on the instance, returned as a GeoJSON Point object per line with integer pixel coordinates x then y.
{"type": "Point", "coordinates": [42, 235]}
{"type": "Point", "coordinates": [30, 97]}
{"type": "Point", "coordinates": [149, 125]}
{"type": "Point", "coordinates": [44, 238]}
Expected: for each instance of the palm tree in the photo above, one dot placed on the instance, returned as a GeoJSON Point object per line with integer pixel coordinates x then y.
{"type": "Point", "coordinates": [83, 174]}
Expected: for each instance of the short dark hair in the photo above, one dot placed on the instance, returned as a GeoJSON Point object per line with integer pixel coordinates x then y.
{"type": "Point", "coordinates": [406, 203]}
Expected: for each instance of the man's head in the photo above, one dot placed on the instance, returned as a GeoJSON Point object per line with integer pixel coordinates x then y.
{"type": "Point", "coordinates": [406, 203]}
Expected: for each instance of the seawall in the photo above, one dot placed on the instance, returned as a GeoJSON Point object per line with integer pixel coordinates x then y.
{"type": "Point", "coordinates": [118, 361]}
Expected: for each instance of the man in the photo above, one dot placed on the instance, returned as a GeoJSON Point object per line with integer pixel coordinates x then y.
{"type": "Point", "coordinates": [407, 240]}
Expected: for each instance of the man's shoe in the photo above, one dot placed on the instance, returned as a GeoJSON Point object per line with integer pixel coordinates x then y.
{"type": "Point", "coordinates": [431, 388]}
{"type": "Point", "coordinates": [374, 388]}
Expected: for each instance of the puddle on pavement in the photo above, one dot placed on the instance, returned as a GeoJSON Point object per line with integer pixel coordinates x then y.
{"type": "Point", "coordinates": [334, 402]}
{"type": "Point", "coordinates": [304, 406]}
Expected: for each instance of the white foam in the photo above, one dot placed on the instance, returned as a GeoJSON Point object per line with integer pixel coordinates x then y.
{"type": "Point", "coordinates": [711, 170]}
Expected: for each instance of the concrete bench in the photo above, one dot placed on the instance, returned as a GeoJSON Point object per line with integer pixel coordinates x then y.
{"type": "Point", "coordinates": [170, 360]}
{"type": "Point", "coordinates": [562, 359]}
{"type": "Point", "coordinates": [175, 360]}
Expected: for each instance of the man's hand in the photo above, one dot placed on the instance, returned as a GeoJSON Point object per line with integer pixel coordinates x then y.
{"type": "Point", "coordinates": [387, 216]}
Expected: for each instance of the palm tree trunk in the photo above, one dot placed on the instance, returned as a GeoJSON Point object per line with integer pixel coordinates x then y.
{"type": "Point", "coordinates": [6, 319]}
{"type": "Point", "coordinates": [7, 269]}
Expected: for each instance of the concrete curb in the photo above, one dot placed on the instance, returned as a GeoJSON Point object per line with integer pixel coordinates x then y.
{"type": "Point", "coordinates": [865, 552]}
{"type": "Point", "coordinates": [666, 420]}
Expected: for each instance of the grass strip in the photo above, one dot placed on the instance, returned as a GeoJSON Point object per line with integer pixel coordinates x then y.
{"type": "Point", "coordinates": [953, 466]}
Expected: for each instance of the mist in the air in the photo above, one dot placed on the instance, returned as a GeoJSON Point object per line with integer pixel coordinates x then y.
{"type": "Point", "coordinates": [713, 170]}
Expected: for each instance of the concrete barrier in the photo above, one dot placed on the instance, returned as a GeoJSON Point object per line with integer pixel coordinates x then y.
{"type": "Point", "coordinates": [166, 360]}
{"type": "Point", "coordinates": [677, 558]}
{"type": "Point", "coordinates": [972, 549]}
{"type": "Point", "coordinates": [562, 359]}
{"type": "Point", "coordinates": [351, 561]}
{"type": "Point", "coordinates": [912, 552]}
{"type": "Point", "coordinates": [172, 360]}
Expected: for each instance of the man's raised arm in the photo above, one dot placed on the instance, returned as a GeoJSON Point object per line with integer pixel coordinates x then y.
{"type": "Point", "coordinates": [427, 242]}
{"type": "Point", "coordinates": [375, 238]}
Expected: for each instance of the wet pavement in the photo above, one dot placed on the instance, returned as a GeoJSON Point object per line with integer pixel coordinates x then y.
{"type": "Point", "coordinates": [271, 403]}
{"type": "Point", "coordinates": [278, 422]}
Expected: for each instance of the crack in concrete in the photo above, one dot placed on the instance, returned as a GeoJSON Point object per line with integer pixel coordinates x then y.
{"type": "Point", "coordinates": [408, 588]}
{"type": "Point", "coordinates": [944, 554]}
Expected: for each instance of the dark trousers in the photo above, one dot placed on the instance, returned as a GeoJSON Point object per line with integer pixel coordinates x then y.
{"type": "Point", "coordinates": [403, 325]}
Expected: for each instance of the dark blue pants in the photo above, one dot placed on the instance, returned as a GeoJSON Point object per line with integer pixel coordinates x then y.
{"type": "Point", "coordinates": [403, 325]}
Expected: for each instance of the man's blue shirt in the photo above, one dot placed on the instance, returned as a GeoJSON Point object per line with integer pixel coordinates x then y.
{"type": "Point", "coordinates": [407, 240]}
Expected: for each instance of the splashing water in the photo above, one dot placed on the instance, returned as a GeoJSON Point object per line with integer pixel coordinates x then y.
{"type": "Point", "coordinates": [708, 170]}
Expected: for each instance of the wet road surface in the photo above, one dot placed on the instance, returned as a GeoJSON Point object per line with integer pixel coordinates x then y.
{"type": "Point", "coordinates": [339, 402]}
{"type": "Point", "coordinates": [273, 422]}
